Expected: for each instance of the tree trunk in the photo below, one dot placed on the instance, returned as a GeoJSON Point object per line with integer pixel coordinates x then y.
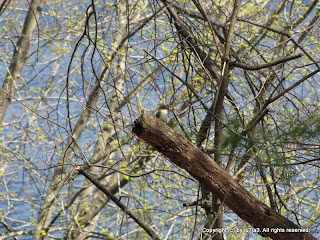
{"type": "Point", "coordinates": [19, 57]}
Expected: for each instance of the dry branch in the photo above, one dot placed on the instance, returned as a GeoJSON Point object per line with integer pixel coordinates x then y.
{"type": "Point", "coordinates": [186, 155]}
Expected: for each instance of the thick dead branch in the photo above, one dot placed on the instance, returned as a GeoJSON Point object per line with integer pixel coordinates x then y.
{"type": "Point", "coordinates": [186, 155]}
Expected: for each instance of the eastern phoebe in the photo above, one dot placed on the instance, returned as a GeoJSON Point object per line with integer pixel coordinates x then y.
{"type": "Point", "coordinates": [162, 113]}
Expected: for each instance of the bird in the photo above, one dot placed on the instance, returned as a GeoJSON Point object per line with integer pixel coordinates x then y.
{"type": "Point", "coordinates": [162, 113]}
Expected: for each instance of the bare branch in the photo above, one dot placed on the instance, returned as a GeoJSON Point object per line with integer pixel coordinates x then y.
{"type": "Point", "coordinates": [117, 201]}
{"type": "Point", "coordinates": [267, 65]}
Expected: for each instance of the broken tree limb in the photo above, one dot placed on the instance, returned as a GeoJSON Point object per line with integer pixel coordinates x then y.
{"type": "Point", "coordinates": [186, 155]}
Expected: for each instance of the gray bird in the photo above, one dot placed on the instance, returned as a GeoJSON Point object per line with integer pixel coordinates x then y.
{"type": "Point", "coordinates": [163, 112]}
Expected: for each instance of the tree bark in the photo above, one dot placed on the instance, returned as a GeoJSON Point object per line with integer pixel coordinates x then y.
{"type": "Point", "coordinates": [186, 155]}
{"type": "Point", "coordinates": [8, 90]}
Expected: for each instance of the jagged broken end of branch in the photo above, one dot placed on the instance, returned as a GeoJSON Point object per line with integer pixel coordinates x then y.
{"type": "Point", "coordinates": [138, 125]}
